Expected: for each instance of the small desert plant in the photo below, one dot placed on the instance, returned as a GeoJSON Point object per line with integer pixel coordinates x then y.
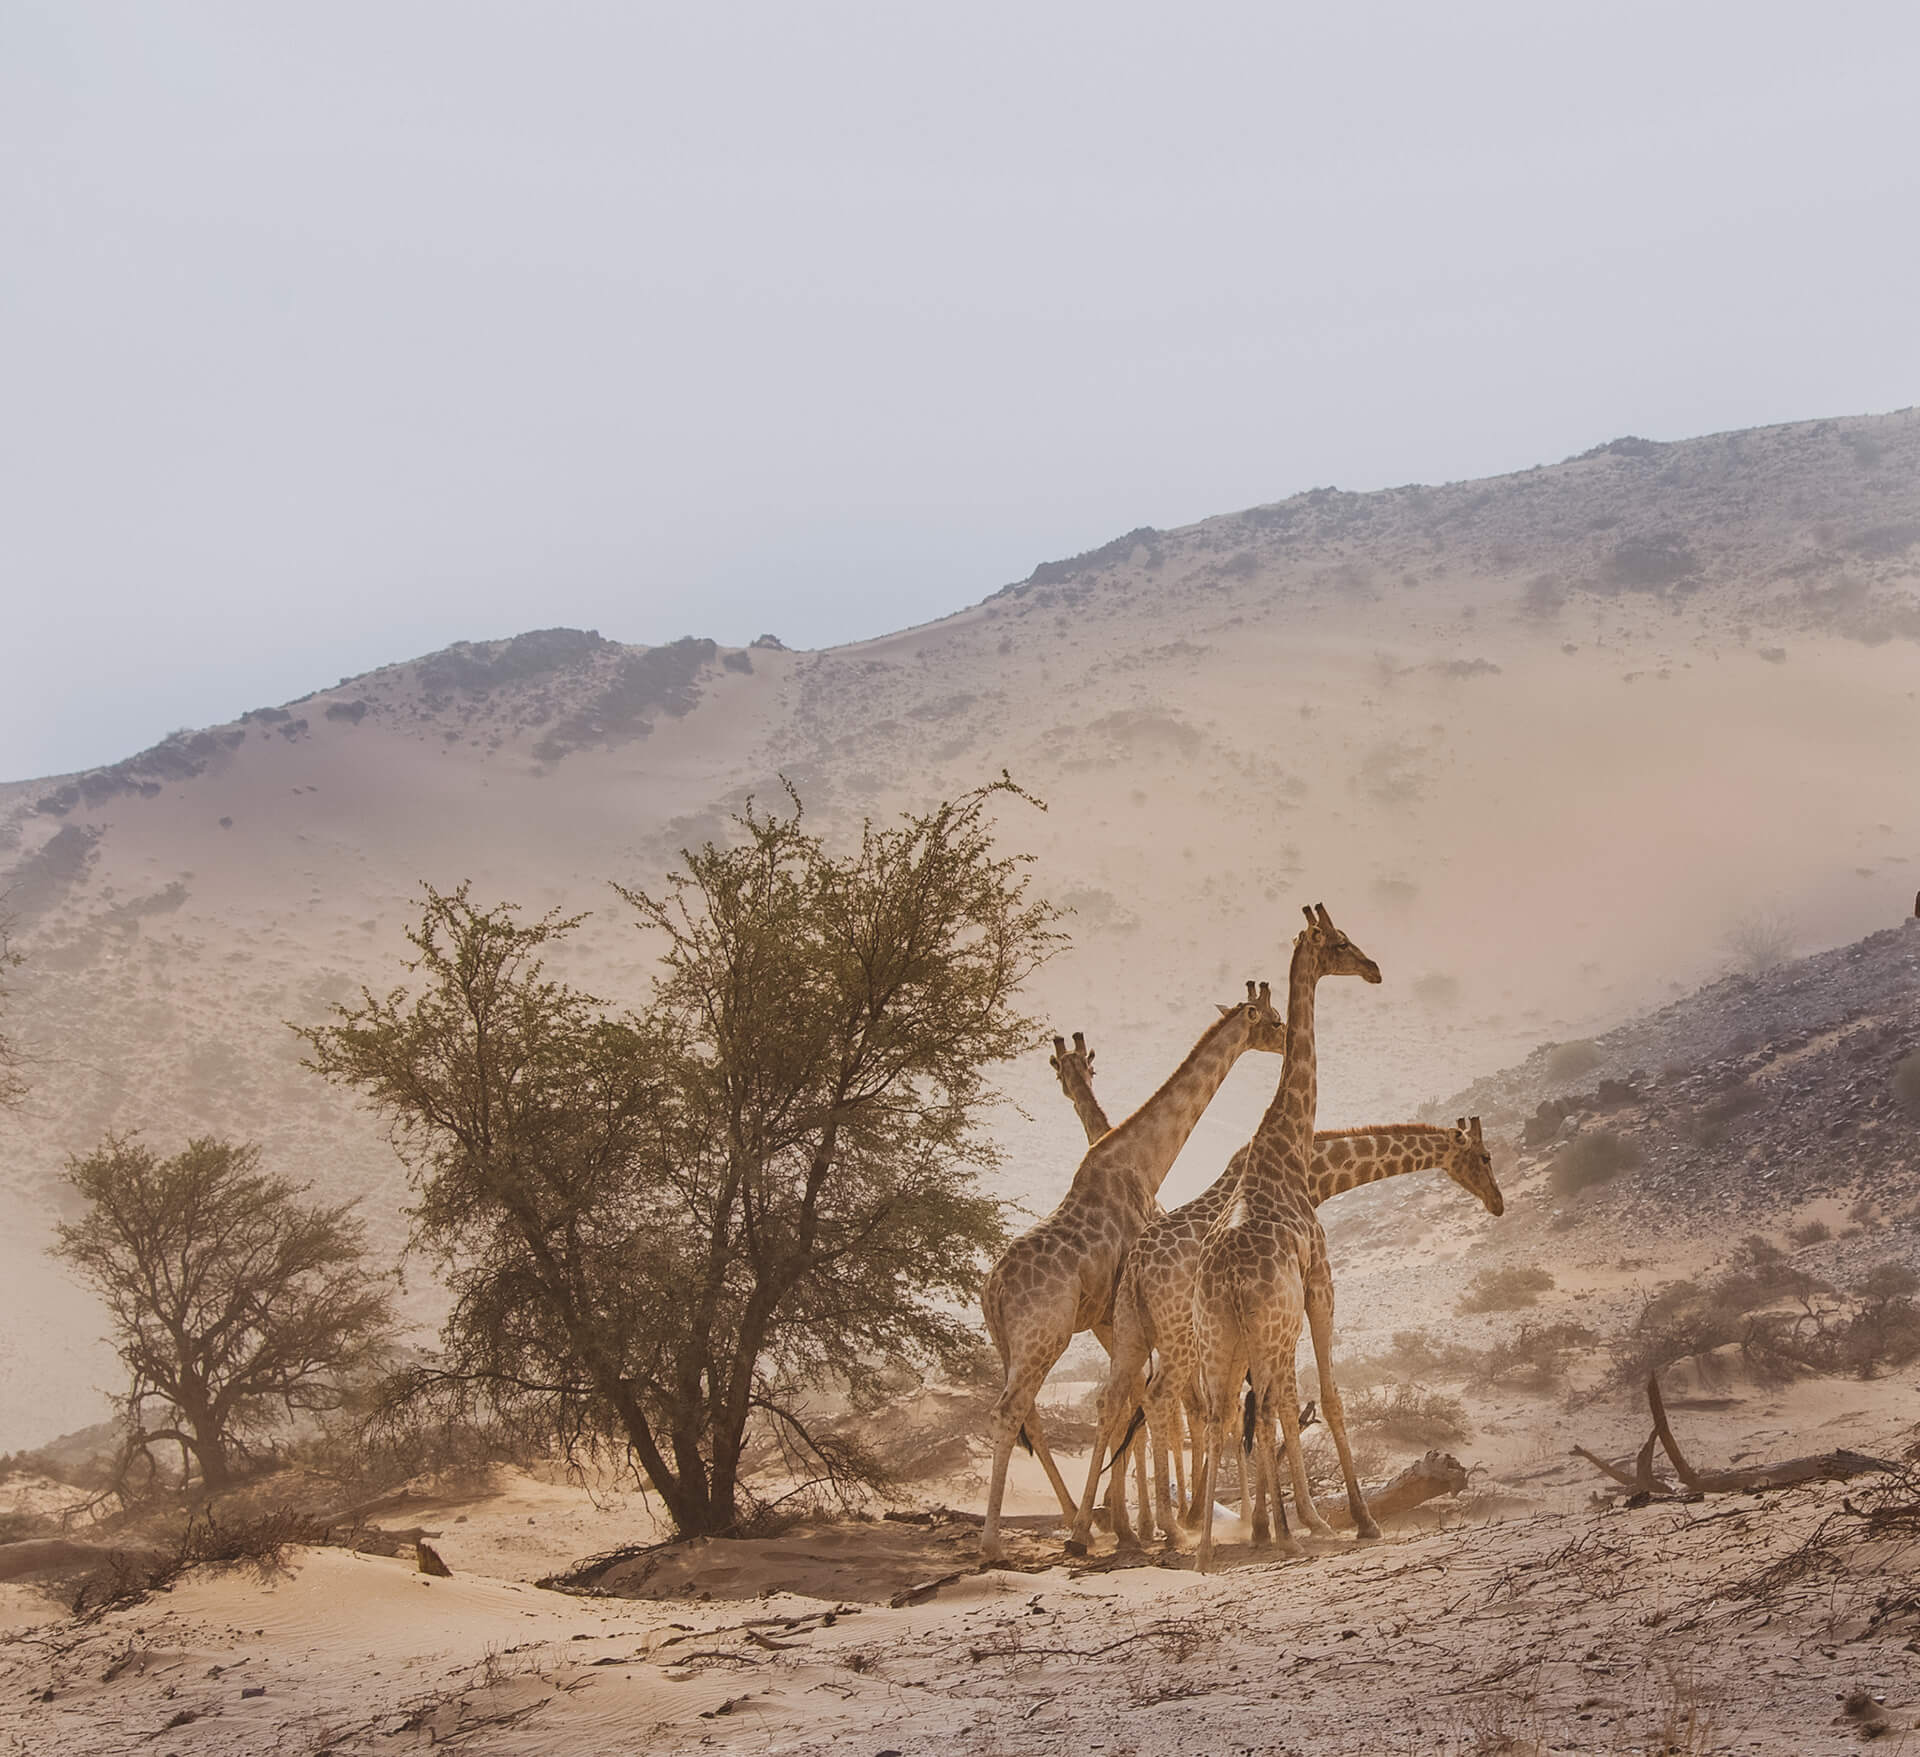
{"type": "Point", "coordinates": [1568, 1061]}
{"type": "Point", "coordinates": [1412, 1355]}
{"type": "Point", "coordinates": [1505, 1290]}
{"type": "Point", "coordinates": [1410, 1415]}
{"type": "Point", "coordinates": [1536, 1358]}
{"type": "Point", "coordinates": [1815, 1232]}
{"type": "Point", "coordinates": [1758, 941]}
{"type": "Point", "coordinates": [1708, 1126]}
{"type": "Point", "coordinates": [1590, 1160]}
{"type": "Point", "coordinates": [1906, 1083]}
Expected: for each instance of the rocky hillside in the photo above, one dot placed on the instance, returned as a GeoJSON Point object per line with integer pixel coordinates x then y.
{"type": "Point", "coordinates": [1541, 743]}
{"type": "Point", "coordinates": [1757, 1097]}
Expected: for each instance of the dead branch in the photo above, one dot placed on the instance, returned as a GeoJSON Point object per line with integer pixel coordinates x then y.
{"type": "Point", "coordinates": [1834, 1466]}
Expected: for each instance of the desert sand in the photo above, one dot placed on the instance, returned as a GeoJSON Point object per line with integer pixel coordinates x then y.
{"type": "Point", "coordinates": [1558, 748]}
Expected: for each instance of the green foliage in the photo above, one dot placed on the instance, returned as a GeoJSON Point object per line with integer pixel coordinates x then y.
{"type": "Point", "coordinates": [1505, 1290]}
{"type": "Point", "coordinates": [661, 1227]}
{"type": "Point", "coordinates": [232, 1303]}
{"type": "Point", "coordinates": [1591, 1159]}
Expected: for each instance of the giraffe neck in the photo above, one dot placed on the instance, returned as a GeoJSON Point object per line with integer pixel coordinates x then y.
{"type": "Point", "coordinates": [1149, 1141]}
{"type": "Point", "coordinates": [1079, 1092]}
{"type": "Point", "coordinates": [1282, 1146]}
{"type": "Point", "coordinates": [1344, 1159]}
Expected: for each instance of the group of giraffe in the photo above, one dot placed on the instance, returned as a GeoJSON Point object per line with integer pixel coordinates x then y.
{"type": "Point", "coordinates": [1191, 1304]}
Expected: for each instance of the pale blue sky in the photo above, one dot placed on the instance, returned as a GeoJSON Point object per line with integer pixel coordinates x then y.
{"type": "Point", "coordinates": [331, 334]}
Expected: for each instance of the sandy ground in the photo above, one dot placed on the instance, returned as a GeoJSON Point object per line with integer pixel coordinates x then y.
{"type": "Point", "coordinates": [1530, 1616]}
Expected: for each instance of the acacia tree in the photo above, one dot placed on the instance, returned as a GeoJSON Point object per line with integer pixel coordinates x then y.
{"type": "Point", "coordinates": [234, 1304]}
{"type": "Point", "coordinates": [662, 1226]}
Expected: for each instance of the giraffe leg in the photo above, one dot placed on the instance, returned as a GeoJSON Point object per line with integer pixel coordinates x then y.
{"type": "Point", "coordinates": [1140, 1481]}
{"type": "Point", "coordinates": [1281, 1390]}
{"type": "Point", "coordinates": [1119, 1397]}
{"type": "Point", "coordinates": [1303, 1503]}
{"type": "Point", "coordinates": [1170, 1488]}
{"type": "Point", "coordinates": [1116, 1407]}
{"type": "Point", "coordinates": [1320, 1318]}
{"type": "Point", "coordinates": [1010, 1410]}
{"type": "Point", "coordinates": [1256, 1441]}
{"type": "Point", "coordinates": [1164, 1425]}
{"type": "Point", "coordinates": [1197, 1437]}
{"type": "Point", "coordinates": [1038, 1440]}
{"type": "Point", "coordinates": [1219, 1436]}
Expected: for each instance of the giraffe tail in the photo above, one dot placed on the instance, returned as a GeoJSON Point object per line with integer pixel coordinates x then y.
{"type": "Point", "coordinates": [1026, 1445]}
{"type": "Point", "coordinates": [1133, 1427]}
{"type": "Point", "coordinates": [1248, 1417]}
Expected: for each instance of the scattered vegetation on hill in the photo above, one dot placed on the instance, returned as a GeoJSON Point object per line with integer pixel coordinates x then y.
{"type": "Point", "coordinates": [1505, 1290]}
{"type": "Point", "coordinates": [1593, 1158]}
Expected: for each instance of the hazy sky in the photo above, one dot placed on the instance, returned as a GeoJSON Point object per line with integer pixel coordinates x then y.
{"type": "Point", "coordinates": [329, 334]}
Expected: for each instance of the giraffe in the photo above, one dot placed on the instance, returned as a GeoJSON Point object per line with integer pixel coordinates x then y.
{"type": "Point", "coordinates": [1153, 1310]}
{"type": "Point", "coordinates": [1257, 1264]}
{"type": "Point", "coordinates": [1075, 1068]}
{"type": "Point", "coordinates": [1058, 1278]}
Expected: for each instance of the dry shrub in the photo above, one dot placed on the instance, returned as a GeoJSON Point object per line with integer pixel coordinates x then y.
{"type": "Point", "coordinates": [1412, 1355]}
{"type": "Point", "coordinates": [1568, 1061]}
{"type": "Point", "coordinates": [1711, 1123]}
{"type": "Point", "coordinates": [1906, 1083]}
{"type": "Point", "coordinates": [128, 1578]}
{"type": "Point", "coordinates": [1505, 1290]}
{"type": "Point", "coordinates": [1536, 1357]}
{"type": "Point", "coordinates": [1815, 1232]}
{"type": "Point", "coordinates": [1590, 1160]}
{"type": "Point", "coordinates": [1410, 1415]}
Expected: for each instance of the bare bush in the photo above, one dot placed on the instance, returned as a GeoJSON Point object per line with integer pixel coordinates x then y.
{"type": "Point", "coordinates": [1505, 1290]}
{"type": "Point", "coordinates": [1411, 1415]}
{"type": "Point", "coordinates": [1590, 1160]}
{"type": "Point", "coordinates": [1815, 1232]}
{"type": "Point", "coordinates": [1568, 1061]}
{"type": "Point", "coordinates": [1758, 941]}
{"type": "Point", "coordinates": [1906, 1083]}
{"type": "Point", "coordinates": [1536, 1358]}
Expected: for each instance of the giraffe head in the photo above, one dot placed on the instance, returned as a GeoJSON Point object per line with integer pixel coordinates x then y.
{"type": "Point", "coordinates": [1062, 1056]}
{"type": "Point", "coordinates": [1337, 955]}
{"type": "Point", "coordinates": [1265, 1028]}
{"type": "Point", "coordinates": [1470, 1165]}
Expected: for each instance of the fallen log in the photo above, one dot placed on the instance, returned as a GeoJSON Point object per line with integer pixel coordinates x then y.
{"type": "Point", "coordinates": [1438, 1473]}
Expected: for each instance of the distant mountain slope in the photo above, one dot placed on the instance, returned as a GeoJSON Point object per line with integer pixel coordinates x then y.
{"type": "Point", "coordinates": [1539, 742]}
{"type": "Point", "coordinates": [1752, 1095]}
